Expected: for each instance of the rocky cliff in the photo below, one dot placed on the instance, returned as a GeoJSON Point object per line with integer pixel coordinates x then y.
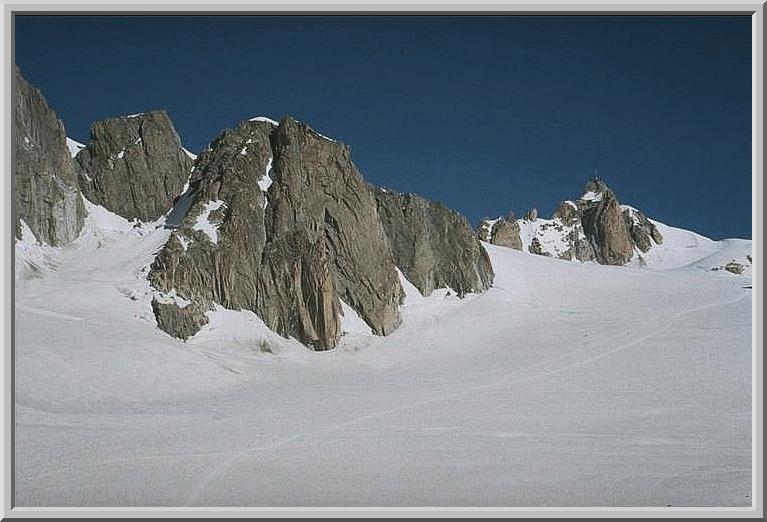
{"type": "Point", "coordinates": [278, 220]}
{"type": "Point", "coordinates": [47, 197]}
{"type": "Point", "coordinates": [281, 224]}
{"type": "Point", "coordinates": [134, 165]}
{"type": "Point", "coordinates": [595, 227]}
{"type": "Point", "coordinates": [433, 246]}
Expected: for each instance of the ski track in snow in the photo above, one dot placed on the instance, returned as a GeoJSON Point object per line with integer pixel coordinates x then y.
{"type": "Point", "coordinates": [201, 421]}
{"type": "Point", "coordinates": [221, 468]}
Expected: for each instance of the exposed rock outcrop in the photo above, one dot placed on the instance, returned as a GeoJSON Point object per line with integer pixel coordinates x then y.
{"type": "Point", "coordinates": [433, 245]}
{"type": "Point", "coordinates": [319, 190]}
{"type": "Point", "coordinates": [595, 227]}
{"type": "Point", "coordinates": [278, 220]}
{"type": "Point", "coordinates": [281, 223]}
{"type": "Point", "coordinates": [643, 232]}
{"type": "Point", "coordinates": [531, 215]}
{"type": "Point", "coordinates": [506, 232]}
{"type": "Point", "coordinates": [134, 165]}
{"type": "Point", "coordinates": [47, 196]}
{"type": "Point", "coordinates": [604, 225]}
{"type": "Point", "coordinates": [215, 253]}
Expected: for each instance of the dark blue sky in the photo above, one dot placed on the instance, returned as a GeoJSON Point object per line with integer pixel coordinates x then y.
{"type": "Point", "coordinates": [486, 114]}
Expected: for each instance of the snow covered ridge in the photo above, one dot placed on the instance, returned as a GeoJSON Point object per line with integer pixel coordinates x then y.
{"type": "Point", "coordinates": [584, 229]}
{"type": "Point", "coordinates": [276, 123]}
{"type": "Point", "coordinates": [266, 119]}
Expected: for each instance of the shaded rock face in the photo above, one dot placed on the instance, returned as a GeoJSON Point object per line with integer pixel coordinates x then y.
{"type": "Point", "coordinates": [185, 322]}
{"type": "Point", "coordinates": [503, 231]}
{"type": "Point", "coordinates": [605, 227]}
{"type": "Point", "coordinates": [47, 196]}
{"type": "Point", "coordinates": [433, 245]}
{"type": "Point", "coordinates": [506, 233]}
{"type": "Point", "coordinates": [320, 191]}
{"type": "Point", "coordinates": [215, 253]}
{"type": "Point", "coordinates": [567, 212]}
{"type": "Point", "coordinates": [279, 222]}
{"type": "Point", "coordinates": [134, 166]}
{"type": "Point", "coordinates": [643, 232]}
{"type": "Point", "coordinates": [297, 294]}
{"type": "Point", "coordinates": [595, 227]}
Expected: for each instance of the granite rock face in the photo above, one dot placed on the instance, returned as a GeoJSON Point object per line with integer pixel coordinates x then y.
{"type": "Point", "coordinates": [280, 222]}
{"type": "Point", "coordinates": [433, 245]}
{"type": "Point", "coordinates": [215, 252]}
{"type": "Point", "coordinates": [319, 190]}
{"type": "Point", "coordinates": [506, 232]}
{"type": "Point", "coordinates": [643, 232]}
{"type": "Point", "coordinates": [134, 166]}
{"type": "Point", "coordinates": [47, 197]}
{"type": "Point", "coordinates": [595, 227]}
{"type": "Point", "coordinates": [502, 231]}
{"type": "Point", "coordinates": [604, 225]}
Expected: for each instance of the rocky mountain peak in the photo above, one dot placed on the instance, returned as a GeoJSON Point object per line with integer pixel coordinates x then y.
{"type": "Point", "coordinates": [271, 217]}
{"type": "Point", "coordinates": [595, 227]}
{"type": "Point", "coordinates": [595, 186]}
{"type": "Point", "coordinates": [278, 220]}
{"type": "Point", "coordinates": [134, 165]}
{"type": "Point", "coordinates": [47, 196]}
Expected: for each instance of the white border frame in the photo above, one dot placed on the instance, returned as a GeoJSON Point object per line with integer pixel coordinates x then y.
{"type": "Point", "coordinates": [398, 6]}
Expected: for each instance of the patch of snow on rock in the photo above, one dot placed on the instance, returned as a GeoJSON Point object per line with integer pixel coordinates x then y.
{"type": "Point", "coordinates": [203, 223]}
{"type": "Point", "coordinates": [266, 180]}
{"type": "Point", "coordinates": [551, 234]}
{"type": "Point", "coordinates": [592, 196]}
{"type": "Point", "coordinates": [172, 297]}
{"type": "Point", "coordinates": [74, 146]}
{"type": "Point", "coordinates": [184, 241]}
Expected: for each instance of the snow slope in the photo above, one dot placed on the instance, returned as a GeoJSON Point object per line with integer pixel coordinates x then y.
{"type": "Point", "coordinates": [566, 384]}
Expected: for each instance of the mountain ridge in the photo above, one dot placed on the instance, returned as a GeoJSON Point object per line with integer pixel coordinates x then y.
{"type": "Point", "coordinates": [273, 217]}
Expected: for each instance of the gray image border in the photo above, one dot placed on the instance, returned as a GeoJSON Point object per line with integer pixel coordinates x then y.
{"type": "Point", "coordinates": [316, 7]}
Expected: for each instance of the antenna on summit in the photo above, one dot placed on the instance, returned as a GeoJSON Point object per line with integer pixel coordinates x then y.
{"type": "Point", "coordinates": [596, 173]}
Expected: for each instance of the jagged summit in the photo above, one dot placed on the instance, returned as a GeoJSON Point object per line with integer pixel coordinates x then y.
{"type": "Point", "coordinates": [271, 217]}
{"type": "Point", "coordinates": [595, 186]}
{"type": "Point", "coordinates": [279, 221]}
{"type": "Point", "coordinates": [134, 165]}
{"type": "Point", "coordinates": [594, 227]}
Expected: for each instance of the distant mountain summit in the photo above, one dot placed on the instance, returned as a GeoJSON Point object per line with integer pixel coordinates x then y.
{"type": "Point", "coordinates": [594, 227]}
